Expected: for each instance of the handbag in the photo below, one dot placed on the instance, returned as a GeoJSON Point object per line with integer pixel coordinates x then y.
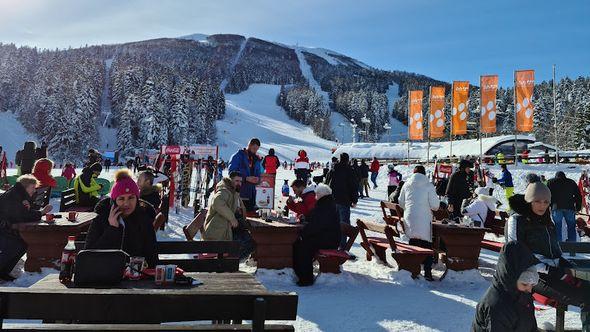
{"type": "Point", "coordinates": [100, 267]}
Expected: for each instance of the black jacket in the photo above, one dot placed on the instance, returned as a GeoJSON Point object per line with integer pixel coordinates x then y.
{"type": "Point", "coordinates": [564, 194]}
{"type": "Point", "coordinates": [323, 224]}
{"type": "Point", "coordinates": [16, 207]}
{"type": "Point", "coordinates": [458, 188]}
{"type": "Point", "coordinates": [344, 184]}
{"type": "Point", "coordinates": [364, 171]}
{"type": "Point", "coordinates": [536, 232]}
{"type": "Point", "coordinates": [504, 308]}
{"type": "Point", "coordinates": [152, 196]}
{"type": "Point", "coordinates": [138, 236]}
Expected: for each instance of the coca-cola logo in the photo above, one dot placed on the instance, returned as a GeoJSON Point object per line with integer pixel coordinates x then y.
{"type": "Point", "coordinates": [172, 150]}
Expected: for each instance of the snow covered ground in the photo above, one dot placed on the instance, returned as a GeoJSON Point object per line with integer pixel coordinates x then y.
{"type": "Point", "coordinates": [368, 296]}
{"type": "Point", "coordinates": [254, 113]}
{"type": "Point", "coordinates": [13, 134]}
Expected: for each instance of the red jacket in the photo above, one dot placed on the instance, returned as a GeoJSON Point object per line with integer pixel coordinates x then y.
{"type": "Point", "coordinates": [302, 162]}
{"type": "Point", "coordinates": [270, 164]}
{"type": "Point", "coordinates": [375, 166]}
{"type": "Point", "coordinates": [42, 170]}
{"type": "Point", "coordinates": [306, 204]}
{"type": "Point", "coordinates": [69, 172]}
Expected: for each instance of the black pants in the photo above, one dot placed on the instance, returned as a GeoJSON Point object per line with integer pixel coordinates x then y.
{"type": "Point", "coordinates": [390, 190]}
{"type": "Point", "coordinates": [303, 254]}
{"type": "Point", "coordinates": [12, 248]}
{"type": "Point", "coordinates": [576, 294]}
{"type": "Point", "coordinates": [247, 244]}
{"type": "Point", "coordinates": [426, 245]}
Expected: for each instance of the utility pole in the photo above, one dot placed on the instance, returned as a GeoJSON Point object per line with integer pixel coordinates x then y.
{"type": "Point", "coordinates": [555, 120]}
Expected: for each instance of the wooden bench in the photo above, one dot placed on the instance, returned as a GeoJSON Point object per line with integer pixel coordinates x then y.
{"type": "Point", "coordinates": [195, 226]}
{"type": "Point", "coordinates": [393, 215]}
{"type": "Point", "coordinates": [331, 259]}
{"type": "Point", "coordinates": [68, 202]}
{"type": "Point", "coordinates": [499, 222]}
{"type": "Point", "coordinates": [569, 249]}
{"type": "Point", "coordinates": [583, 223]}
{"type": "Point", "coordinates": [408, 257]}
{"type": "Point", "coordinates": [492, 245]}
{"type": "Point", "coordinates": [221, 256]}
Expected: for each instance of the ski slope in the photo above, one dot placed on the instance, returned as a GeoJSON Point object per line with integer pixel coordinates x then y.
{"type": "Point", "coordinates": [254, 113]}
{"type": "Point", "coordinates": [14, 135]}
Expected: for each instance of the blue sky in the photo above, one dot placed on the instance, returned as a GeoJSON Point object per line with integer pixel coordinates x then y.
{"type": "Point", "coordinates": [447, 40]}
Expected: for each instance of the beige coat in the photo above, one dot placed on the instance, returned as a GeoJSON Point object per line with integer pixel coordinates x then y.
{"type": "Point", "coordinates": [226, 201]}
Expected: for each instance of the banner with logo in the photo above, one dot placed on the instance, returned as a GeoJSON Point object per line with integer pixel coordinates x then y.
{"type": "Point", "coordinates": [460, 110]}
{"type": "Point", "coordinates": [436, 120]}
{"type": "Point", "coordinates": [415, 115]}
{"type": "Point", "coordinates": [265, 191]}
{"type": "Point", "coordinates": [524, 84]}
{"type": "Point", "coordinates": [488, 88]}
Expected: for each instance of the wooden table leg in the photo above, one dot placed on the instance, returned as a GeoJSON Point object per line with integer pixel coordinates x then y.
{"type": "Point", "coordinates": [259, 315]}
{"type": "Point", "coordinates": [560, 317]}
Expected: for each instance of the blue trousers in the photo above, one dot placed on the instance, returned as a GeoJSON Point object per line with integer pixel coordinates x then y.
{"type": "Point", "coordinates": [344, 214]}
{"type": "Point", "coordinates": [374, 178]}
{"type": "Point", "coordinates": [570, 218]}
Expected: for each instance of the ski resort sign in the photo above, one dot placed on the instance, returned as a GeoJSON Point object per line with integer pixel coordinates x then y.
{"type": "Point", "coordinates": [194, 151]}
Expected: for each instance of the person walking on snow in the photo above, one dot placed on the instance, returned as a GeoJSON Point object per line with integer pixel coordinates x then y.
{"type": "Point", "coordinates": [565, 202]}
{"type": "Point", "coordinates": [271, 162]}
{"type": "Point", "coordinates": [302, 166]}
{"type": "Point", "coordinates": [374, 171]}
{"type": "Point", "coordinates": [458, 188]}
{"type": "Point", "coordinates": [364, 176]}
{"type": "Point", "coordinates": [394, 179]}
{"type": "Point", "coordinates": [506, 182]}
{"type": "Point", "coordinates": [344, 187]}
{"type": "Point", "coordinates": [418, 199]}
{"type": "Point", "coordinates": [69, 172]}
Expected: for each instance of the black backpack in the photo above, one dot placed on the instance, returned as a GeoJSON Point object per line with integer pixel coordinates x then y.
{"type": "Point", "coordinates": [441, 186]}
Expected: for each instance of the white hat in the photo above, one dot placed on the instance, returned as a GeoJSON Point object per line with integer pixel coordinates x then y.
{"type": "Point", "coordinates": [482, 191]}
{"type": "Point", "coordinates": [322, 190]}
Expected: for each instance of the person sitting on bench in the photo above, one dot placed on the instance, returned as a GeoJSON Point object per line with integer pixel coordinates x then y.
{"type": "Point", "coordinates": [16, 207]}
{"type": "Point", "coordinates": [508, 304]}
{"type": "Point", "coordinates": [124, 221]}
{"type": "Point", "coordinates": [306, 201]}
{"type": "Point", "coordinates": [221, 216]}
{"type": "Point", "coordinates": [532, 226]}
{"type": "Point", "coordinates": [321, 231]}
{"type": "Point", "coordinates": [86, 187]}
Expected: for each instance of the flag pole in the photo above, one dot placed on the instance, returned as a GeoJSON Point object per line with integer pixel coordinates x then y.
{"type": "Point", "coordinates": [555, 120]}
{"type": "Point", "coordinates": [428, 121]}
{"type": "Point", "coordinates": [480, 120]}
{"type": "Point", "coordinates": [409, 125]}
{"type": "Point", "coordinates": [451, 131]}
{"type": "Point", "coordinates": [515, 123]}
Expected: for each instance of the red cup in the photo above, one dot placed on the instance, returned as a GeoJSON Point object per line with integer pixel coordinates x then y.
{"type": "Point", "coordinates": [72, 215]}
{"type": "Point", "coordinates": [49, 217]}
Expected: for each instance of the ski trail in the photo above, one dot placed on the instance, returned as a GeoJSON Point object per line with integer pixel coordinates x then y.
{"type": "Point", "coordinates": [108, 135]}
{"type": "Point", "coordinates": [232, 65]}
{"type": "Point", "coordinates": [307, 73]}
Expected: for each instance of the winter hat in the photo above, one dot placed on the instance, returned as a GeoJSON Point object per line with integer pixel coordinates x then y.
{"type": "Point", "coordinates": [537, 191]}
{"type": "Point", "coordinates": [124, 184]}
{"type": "Point", "coordinates": [532, 178]}
{"type": "Point", "coordinates": [322, 190]}
{"type": "Point", "coordinates": [482, 191]}
{"type": "Point", "coordinates": [465, 163]}
{"type": "Point", "coordinates": [530, 276]}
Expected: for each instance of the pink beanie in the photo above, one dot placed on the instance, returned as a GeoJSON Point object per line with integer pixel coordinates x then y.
{"type": "Point", "coordinates": [124, 184]}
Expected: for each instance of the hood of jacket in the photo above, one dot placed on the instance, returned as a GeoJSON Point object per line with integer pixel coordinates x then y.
{"type": "Point", "coordinates": [418, 180]}
{"type": "Point", "coordinates": [514, 259]}
{"type": "Point", "coordinates": [521, 207]}
{"type": "Point", "coordinates": [490, 201]}
{"type": "Point", "coordinates": [302, 153]}
{"type": "Point", "coordinates": [226, 184]}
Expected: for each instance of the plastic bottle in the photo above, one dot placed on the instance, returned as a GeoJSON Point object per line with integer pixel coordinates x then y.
{"type": "Point", "coordinates": [68, 258]}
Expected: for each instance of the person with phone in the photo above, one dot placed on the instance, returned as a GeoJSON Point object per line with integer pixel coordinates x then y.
{"type": "Point", "coordinates": [124, 221]}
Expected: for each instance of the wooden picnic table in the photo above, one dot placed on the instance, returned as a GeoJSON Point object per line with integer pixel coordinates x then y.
{"type": "Point", "coordinates": [461, 244]}
{"type": "Point", "coordinates": [222, 296]}
{"type": "Point", "coordinates": [274, 242]}
{"type": "Point", "coordinates": [45, 241]}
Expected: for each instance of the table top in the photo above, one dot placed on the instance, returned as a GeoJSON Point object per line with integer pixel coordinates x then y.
{"type": "Point", "coordinates": [221, 295]}
{"type": "Point", "coordinates": [83, 218]}
{"type": "Point", "coordinates": [458, 228]}
{"type": "Point", "coordinates": [257, 222]}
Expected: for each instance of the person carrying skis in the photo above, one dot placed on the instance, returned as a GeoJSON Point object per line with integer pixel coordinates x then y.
{"type": "Point", "coordinates": [271, 162]}
{"type": "Point", "coordinates": [302, 166]}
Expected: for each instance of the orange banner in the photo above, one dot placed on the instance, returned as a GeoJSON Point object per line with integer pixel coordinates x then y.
{"type": "Point", "coordinates": [524, 84]}
{"type": "Point", "coordinates": [415, 115]}
{"type": "Point", "coordinates": [488, 87]}
{"type": "Point", "coordinates": [436, 120]}
{"type": "Point", "coordinates": [460, 110]}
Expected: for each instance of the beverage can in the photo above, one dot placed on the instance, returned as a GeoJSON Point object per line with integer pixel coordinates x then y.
{"type": "Point", "coordinates": [170, 272]}
{"type": "Point", "coordinates": [160, 274]}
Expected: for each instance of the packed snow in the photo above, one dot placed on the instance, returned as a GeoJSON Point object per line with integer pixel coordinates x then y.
{"type": "Point", "coordinates": [107, 132]}
{"type": "Point", "coordinates": [233, 64]}
{"type": "Point", "coordinates": [13, 134]}
{"type": "Point", "coordinates": [368, 296]}
{"type": "Point", "coordinates": [254, 113]}
{"type": "Point", "coordinates": [308, 74]}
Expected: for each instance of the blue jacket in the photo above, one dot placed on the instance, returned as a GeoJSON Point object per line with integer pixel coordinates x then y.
{"type": "Point", "coordinates": [239, 162]}
{"type": "Point", "coordinates": [506, 179]}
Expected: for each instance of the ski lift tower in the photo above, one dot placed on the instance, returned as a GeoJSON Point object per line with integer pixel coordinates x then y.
{"type": "Point", "coordinates": [353, 125]}
{"type": "Point", "coordinates": [388, 128]}
{"type": "Point", "coordinates": [367, 123]}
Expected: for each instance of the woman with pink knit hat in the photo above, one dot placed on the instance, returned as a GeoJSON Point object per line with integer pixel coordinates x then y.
{"type": "Point", "coordinates": [124, 221]}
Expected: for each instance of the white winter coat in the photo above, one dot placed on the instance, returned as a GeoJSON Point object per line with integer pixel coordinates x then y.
{"type": "Point", "coordinates": [418, 198]}
{"type": "Point", "coordinates": [478, 209]}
